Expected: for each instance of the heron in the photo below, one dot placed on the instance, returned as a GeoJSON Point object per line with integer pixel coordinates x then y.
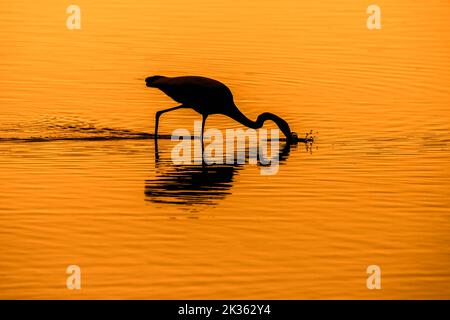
{"type": "Point", "coordinates": [207, 97]}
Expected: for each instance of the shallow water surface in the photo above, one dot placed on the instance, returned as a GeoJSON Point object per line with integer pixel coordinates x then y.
{"type": "Point", "coordinates": [81, 184]}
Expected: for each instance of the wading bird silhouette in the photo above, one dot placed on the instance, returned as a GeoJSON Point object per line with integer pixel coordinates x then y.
{"type": "Point", "coordinates": [207, 97]}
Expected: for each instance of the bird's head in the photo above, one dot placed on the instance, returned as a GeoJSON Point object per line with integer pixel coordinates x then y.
{"type": "Point", "coordinates": [291, 137]}
{"type": "Point", "coordinates": [150, 81]}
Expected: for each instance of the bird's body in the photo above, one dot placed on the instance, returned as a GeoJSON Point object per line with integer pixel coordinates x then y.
{"type": "Point", "coordinates": [204, 95]}
{"type": "Point", "coordinates": [208, 96]}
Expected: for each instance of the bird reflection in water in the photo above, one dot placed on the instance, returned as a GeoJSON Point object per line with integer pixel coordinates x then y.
{"type": "Point", "coordinates": [191, 185]}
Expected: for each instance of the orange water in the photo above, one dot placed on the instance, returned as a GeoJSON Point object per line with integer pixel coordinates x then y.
{"type": "Point", "coordinates": [373, 188]}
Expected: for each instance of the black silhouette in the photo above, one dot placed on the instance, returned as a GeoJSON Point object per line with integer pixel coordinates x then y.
{"type": "Point", "coordinates": [207, 97]}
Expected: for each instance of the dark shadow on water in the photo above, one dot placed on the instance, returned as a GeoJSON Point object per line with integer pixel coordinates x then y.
{"type": "Point", "coordinates": [194, 185]}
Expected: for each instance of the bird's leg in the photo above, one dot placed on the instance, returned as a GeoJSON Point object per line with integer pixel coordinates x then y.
{"type": "Point", "coordinates": [203, 130]}
{"type": "Point", "coordinates": [160, 113]}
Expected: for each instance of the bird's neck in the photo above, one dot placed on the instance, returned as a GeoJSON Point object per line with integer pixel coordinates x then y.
{"type": "Point", "coordinates": [238, 116]}
{"type": "Point", "coordinates": [281, 123]}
